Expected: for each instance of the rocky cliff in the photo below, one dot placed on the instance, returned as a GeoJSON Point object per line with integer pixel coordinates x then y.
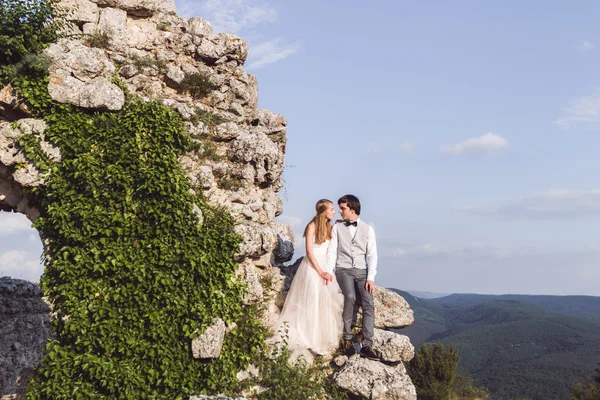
{"type": "Point", "coordinates": [238, 164]}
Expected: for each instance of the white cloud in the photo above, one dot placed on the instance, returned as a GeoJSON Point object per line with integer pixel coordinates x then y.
{"type": "Point", "coordinates": [488, 143]}
{"type": "Point", "coordinates": [294, 222]}
{"type": "Point", "coordinates": [485, 269]}
{"type": "Point", "coordinates": [229, 15]}
{"type": "Point", "coordinates": [374, 148]}
{"type": "Point", "coordinates": [11, 223]}
{"type": "Point", "coordinates": [270, 52]}
{"type": "Point", "coordinates": [241, 17]}
{"type": "Point", "coordinates": [585, 46]}
{"type": "Point", "coordinates": [371, 148]}
{"type": "Point", "coordinates": [584, 110]}
{"type": "Point", "coordinates": [20, 264]}
{"type": "Point", "coordinates": [553, 204]}
{"type": "Point", "coordinates": [399, 252]}
{"type": "Point", "coordinates": [406, 147]}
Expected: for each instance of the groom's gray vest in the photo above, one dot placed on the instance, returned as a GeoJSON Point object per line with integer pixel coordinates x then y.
{"type": "Point", "coordinates": [352, 251]}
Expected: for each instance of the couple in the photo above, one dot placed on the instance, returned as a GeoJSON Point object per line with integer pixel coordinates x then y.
{"type": "Point", "coordinates": [315, 312]}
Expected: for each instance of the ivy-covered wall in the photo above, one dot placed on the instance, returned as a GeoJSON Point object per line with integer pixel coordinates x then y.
{"type": "Point", "coordinates": [137, 264]}
{"type": "Point", "coordinates": [131, 272]}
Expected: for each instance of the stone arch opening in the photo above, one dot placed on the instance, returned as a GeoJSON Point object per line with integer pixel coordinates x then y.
{"type": "Point", "coordinates": [20, 244]}
{"type": "Point", "coordinates": [24, 315]}
{"type": "Point", "coordinates": [20, 248]}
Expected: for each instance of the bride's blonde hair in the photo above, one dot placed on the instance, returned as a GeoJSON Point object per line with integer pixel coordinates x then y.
{"type": "Point", "coordinates": [322, 224]}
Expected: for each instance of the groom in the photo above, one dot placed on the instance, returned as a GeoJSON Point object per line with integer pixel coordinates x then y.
{"type": "Point", "coordinates": [353, 254]}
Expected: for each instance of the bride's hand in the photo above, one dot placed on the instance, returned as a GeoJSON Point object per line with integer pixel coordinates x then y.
{"type": "Point", "coordinates": [327, 276]}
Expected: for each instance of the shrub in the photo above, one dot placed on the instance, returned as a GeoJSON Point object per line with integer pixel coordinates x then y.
{"type": "Point", "coordinates": [196, 85]}
{"type": "Point", "coordinates": [148, 62]}
{"type": "Point", "coordinates": [27, 26]}
{"type": "Point", "coordinates": [433, 371]}
{"type": "Point", "coordinates": [231, 183]}
{"type": "Point", "coordinates": [33, 65]}
{"type": "Point", "coordinates": [100, 39]}
{"type": "Point", "coordinates": [163, 26]}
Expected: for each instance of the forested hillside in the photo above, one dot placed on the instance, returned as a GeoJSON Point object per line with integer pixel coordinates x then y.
{"type": "Point", "coordinates": [512, 347]}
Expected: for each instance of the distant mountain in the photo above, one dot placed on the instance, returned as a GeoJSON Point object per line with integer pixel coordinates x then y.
{"type": "Point", "coordinates": [514, 347]}
{"type": "Point", "coordinates": [427, 295]}
{"type": "Point", "coordinates": [587, 307]}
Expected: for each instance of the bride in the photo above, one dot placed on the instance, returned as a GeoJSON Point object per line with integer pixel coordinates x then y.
{"type": "Point", "coordinates": [312, 313]}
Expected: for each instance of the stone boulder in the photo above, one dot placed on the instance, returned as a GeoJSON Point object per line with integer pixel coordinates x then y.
{"type": "Point", "coordinates": [141, 8]}
{"type": "Point", "coordinates": [393, 346]}
{"type": "Point", "coordinates": [374, 380]}
{"type": "Point", "coordinates": [198, 27]}
{"type": "Point", "coordinates": [210, 343]}
{"type": "Point", "coordinates": [80, 11]}
{"type": "Point", "coordinates": [222, 47]}
{"type": "Point", "coordinates": [80, 75]}
{"type": "Point", "coordinates": [257, 149]}
{"type": "Point", "coordinates": [12, 107]}
{"type": "Point", "coordinates": [391, 310]}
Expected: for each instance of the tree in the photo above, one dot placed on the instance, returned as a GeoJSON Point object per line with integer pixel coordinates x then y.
{"type": "Point", "coordinates": [465, 389]}
{"type": "Point", "coordinates": [433, 371]}
{"type": "Point", "coordinates": [27, 27]}
{"type": "Point", "coordinates": [588, 390]}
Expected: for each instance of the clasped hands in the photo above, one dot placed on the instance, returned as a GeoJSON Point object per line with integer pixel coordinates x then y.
{"type": "Point", "coordinates": [327, 276]}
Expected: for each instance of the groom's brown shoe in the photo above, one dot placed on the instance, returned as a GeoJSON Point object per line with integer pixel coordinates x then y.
{"type": "Point", "coordinates": [370, 353]}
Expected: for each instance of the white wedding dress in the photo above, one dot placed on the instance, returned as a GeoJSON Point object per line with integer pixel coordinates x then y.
{"type": "Point", "coordinates": [312, 309]}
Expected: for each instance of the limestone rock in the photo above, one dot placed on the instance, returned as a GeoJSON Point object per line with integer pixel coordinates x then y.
{"type": "Point", "coordinates": [284, 251]}
{"type": "Point", "coordinates": [254, 290]}
{"type": "Point", "coordinates": [250, 372]}
{"type": "Point", "coordinates": [210, 343]}
{"type": "Point", "coordinates": [374, 380]}
{"type": "Point", "coordinates": [224, 46]}
{"type": "Point", "coordinates": [198, 27]}
{"type": "Point", "coordinates": [198, 213]}
{"type": "Point", "coordinates": [142, 34]}
{"type": "Point", "coordinates": [11, 106]}
{"type": "Point", "coordinates": [258, 239]}
{"type": "Point", "coordinates": [134, 7]}
{"type": "Point", "coordinates": [393, 346]}
{"type": "Point", "coordinates": [97, 94]}
{"type": "Point", "coordinates": [391, 310]}
{"type": "Point", "coordinates": [113, 22]}
{"type": "Point", "coordinates": [257, 149]}
{"type": "Point", "coordinates": [79, 10]}
{"type": "Point", "coordinates": [340, 360]}
{"type": "Point", "coordinates": [79, 76]}
{"type": "Point", "coordinates": [227, 131]}
{"type": "Point", "coordinates": [82, 62]}
{"type": "Point", "coordinates": [175, 75]}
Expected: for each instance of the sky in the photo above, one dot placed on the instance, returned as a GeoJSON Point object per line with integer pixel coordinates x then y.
{"type": "Point", "coordinates": [468, 129]}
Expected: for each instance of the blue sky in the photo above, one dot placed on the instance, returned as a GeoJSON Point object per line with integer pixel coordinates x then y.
{"type": "Point", "coordinates": [468, 129]}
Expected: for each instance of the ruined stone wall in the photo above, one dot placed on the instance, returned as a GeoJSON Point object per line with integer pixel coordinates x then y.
{"type": "Point", "coordinates": [24, 328]}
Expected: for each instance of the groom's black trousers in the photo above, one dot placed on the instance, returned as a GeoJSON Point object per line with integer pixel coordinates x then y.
{"type": "Point", "coordinates": [352, 281]}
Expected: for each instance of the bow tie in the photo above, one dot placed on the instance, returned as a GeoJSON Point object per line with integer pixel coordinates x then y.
{"type": "Point", "coordinates": [348, 223]}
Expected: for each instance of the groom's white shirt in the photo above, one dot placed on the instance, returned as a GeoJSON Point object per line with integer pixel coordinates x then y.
{"type": "Point", "coordinates": [371, 257]}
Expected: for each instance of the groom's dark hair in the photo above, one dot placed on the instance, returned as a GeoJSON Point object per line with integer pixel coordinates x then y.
{"type": "Point", "coordinates": [351, 201]}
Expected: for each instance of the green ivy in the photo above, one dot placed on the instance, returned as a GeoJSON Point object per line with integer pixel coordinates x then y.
{"type": "Point", "coordinates": [132, 275]}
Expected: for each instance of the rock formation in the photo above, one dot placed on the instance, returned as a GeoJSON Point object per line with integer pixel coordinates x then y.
{"type": "Point", "coordinates": [239, 165]}
{"type": "Point", "coordinates": [24, 328]}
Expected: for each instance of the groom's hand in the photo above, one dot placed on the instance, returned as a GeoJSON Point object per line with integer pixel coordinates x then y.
{"type": "Point", "coordinates": [370, 286]}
